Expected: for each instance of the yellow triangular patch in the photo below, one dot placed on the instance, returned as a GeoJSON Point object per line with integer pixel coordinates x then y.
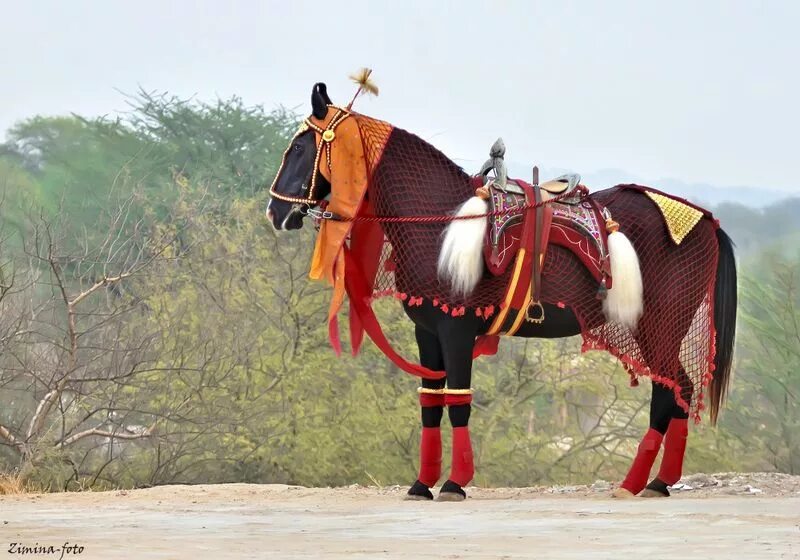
{"type": "Point", "coordinates": [679, 217]}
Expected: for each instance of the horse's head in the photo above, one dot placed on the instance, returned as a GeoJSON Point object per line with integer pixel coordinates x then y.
{"type": "Point", "coordinates": [303, 179]}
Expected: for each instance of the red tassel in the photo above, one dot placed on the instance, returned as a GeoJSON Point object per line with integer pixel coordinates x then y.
{"type": "Point", "coordinates": [478, 312]}
{"type": "Point", "coordinates": [445, 308]}
{"type": "Point", "coordinates": [435, 302]}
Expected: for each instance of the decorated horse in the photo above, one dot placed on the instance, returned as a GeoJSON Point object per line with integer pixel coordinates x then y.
{"type": "Point", "coordinates": [646, 276]}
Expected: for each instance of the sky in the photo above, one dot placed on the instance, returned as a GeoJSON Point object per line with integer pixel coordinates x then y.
{"type": "Point", "coordinates": [697, 91]}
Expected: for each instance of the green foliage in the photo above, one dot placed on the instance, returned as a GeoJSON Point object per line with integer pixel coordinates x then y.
{"type": "Point", "coordinates": [768, 390]}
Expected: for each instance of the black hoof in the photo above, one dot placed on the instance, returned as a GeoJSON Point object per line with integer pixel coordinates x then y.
{"type": "Point", "coordinates": [419, 491]}
{"type": "Point", "coordinates": [451, 492]}
{"type": "Point", "coordinates": [658, 486]}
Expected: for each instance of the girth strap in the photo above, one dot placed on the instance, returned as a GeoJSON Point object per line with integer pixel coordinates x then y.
{"type": "Point", "coordinates": [544, 217]}
{"type": "Point", "coordinates": [526, 279]}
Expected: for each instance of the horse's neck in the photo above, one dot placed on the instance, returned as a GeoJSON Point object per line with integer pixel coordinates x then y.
{"type": "Point", "coordinates": [414, 178]}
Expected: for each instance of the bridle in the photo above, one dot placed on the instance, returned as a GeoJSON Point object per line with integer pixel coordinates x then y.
{"type": "Point", "coordinates": [307, 196]}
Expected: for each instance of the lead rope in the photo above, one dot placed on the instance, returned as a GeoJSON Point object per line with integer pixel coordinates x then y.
{"type": "Point", "coordinates": [328, 215]}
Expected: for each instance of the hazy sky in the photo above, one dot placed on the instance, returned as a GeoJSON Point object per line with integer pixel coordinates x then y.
{"type": "Point", "coordinates": [699, 91]}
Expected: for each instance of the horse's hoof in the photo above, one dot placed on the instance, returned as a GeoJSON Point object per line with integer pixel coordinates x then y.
{"type": "Point", "coordinates": [648, 493]}
{"type": "Point", "coordinates": [451, 492]}
{"type": "Point", "coordinates": [418, 492]}
{"type": "Point", "coordinates": [622, 493]}
{"type": "Point", "coordinates": [656, 489]}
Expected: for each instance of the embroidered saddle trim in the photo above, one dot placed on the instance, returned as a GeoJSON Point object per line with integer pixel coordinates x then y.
{"type": "Point", "coordinates": [503, 233]}
{"type": "Point", "coordinates": [577, 225]}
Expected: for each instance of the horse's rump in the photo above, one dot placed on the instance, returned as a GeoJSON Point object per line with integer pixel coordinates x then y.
{"type": "Point", "coordinates": [674, 339]}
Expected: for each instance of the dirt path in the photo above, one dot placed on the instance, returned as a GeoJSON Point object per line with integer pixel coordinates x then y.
{"type": "Point", "coordinates": [711, 520]}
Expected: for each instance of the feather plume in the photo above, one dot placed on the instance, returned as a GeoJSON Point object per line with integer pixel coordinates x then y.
{"type": "Point", "coordinates": [365, 85]}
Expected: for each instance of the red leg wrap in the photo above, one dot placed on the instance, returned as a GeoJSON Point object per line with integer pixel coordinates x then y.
{"type": "Point", "coordinates": [430, 456]}
{"type": "Point", "coordinates": [462, 468]}
{"type": "Point", "coordinates": [645, 457]}
{"type": "Point", "coordinates": [674, 448]}
{"type": "Point", "coordinates": [428, 399]}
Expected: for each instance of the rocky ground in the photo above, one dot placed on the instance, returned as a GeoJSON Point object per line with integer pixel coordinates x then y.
{"type": "Point", "coordinates": [754, 515]}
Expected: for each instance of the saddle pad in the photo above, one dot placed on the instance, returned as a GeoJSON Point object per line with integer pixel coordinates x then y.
{"type": "Point", "coordinates": [578, 226]}
{"type": "Point", "coordinates": [504, 231]}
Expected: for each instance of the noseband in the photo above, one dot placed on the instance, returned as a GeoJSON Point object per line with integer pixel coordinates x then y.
{"type": "Point", "coordinates": [326, 136]}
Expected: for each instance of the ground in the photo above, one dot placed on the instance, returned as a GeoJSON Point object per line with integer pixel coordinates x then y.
{"type": "Point", "coordinates": [710, 516]}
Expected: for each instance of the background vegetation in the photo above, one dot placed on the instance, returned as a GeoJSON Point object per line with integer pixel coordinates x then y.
{"type": "Point", "coordinates": [154, 329]}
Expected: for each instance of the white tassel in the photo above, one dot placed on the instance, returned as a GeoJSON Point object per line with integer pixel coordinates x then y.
{"type": "Point", "coordinates": [624, 302]}
{"type": "Point", "coordinates": [461, 257]}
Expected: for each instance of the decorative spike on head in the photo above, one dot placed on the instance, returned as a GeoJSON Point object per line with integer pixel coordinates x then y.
{"type": "Point", "coordinates": [365, 85]}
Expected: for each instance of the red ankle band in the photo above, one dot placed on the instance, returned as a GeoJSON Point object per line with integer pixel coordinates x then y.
{"type": "Point", "coordinates": [431, 399]}
{"type": "Point", "coordinates": [454, 400]}
{"type": "Point", "coordinates": [674, 450]}
{"type": "Point", "coordinates": [645, 457]}
{"type": "Point", "coordinates": [430, 456]}
{"type": "Point", "coordinates": [462, 467]}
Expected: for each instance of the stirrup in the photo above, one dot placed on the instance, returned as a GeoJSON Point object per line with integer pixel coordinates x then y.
{"type": "Point", "coordinates": [538, 310]}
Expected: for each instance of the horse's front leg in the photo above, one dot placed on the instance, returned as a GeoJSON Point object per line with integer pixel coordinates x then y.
{"type": "Point", "coordinates": [431, 399]}
{"type": "Point", "coordinates": [457, 337]}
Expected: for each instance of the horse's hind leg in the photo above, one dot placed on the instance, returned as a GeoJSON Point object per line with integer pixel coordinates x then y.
{"type": "Point", "coordinates": [431, 400]}
{"type": "Point", "coordinates": [674, 445]}
{"type": "Point", "coordinates": [661, 410]}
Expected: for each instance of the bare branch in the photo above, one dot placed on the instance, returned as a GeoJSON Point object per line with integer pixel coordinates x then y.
{"type": "Point", "coordinates": [97, 431]}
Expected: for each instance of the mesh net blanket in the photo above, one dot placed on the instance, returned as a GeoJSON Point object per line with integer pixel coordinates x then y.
{"type": "Point", "coordinates": [674, 340]}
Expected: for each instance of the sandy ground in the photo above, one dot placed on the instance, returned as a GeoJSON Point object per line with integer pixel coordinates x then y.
{"type": "Point", "coordinates": [712, 516]}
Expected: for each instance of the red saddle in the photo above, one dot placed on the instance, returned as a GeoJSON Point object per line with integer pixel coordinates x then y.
{"type": "Point", "coordinates": [576, 222]}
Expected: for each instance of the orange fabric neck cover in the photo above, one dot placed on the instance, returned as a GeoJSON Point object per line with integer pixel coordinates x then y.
{"type": "Point", "coordinates": [348, 176]}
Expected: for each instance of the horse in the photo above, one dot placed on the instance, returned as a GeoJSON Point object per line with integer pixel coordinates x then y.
{"type": "Point", "coordinates": [356, 174]}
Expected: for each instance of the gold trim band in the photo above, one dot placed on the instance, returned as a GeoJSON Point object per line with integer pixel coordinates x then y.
{"type": "Point", "coordinates": [457, 391]}
{"type": "Point", "coordinates": [426, 391]}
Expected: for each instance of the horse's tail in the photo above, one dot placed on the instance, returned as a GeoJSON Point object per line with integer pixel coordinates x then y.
{"type": "Point", "coordinates": [724, 323]}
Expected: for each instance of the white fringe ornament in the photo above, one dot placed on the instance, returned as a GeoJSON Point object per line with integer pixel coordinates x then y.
{"type": "Point", "coordinates": [624, 302]}
{"type": "Point", "coordinates": [461, 257]}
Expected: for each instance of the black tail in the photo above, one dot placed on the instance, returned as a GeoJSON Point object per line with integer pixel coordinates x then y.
{"type": "Point", "coordinates": [724, 323]}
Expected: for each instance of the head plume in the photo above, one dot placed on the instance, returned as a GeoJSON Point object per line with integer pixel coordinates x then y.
{"type": "Point", "coordinates": [365, 85]}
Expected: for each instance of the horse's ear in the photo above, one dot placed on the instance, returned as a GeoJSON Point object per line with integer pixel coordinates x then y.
{"type": "Point", "coordinates": [320, 100]}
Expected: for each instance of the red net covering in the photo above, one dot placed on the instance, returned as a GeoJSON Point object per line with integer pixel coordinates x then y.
{"type": "Point", "coordinates": [409, 177]}
{"type": "Point", "coordinates": [674, 340]}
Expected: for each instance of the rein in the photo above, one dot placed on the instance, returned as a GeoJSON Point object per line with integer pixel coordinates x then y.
{"type": "Point", "coordinates": [328, 215]}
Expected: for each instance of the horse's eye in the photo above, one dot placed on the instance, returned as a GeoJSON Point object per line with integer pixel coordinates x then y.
{"type": "Point", "coordinates": [297, 147]}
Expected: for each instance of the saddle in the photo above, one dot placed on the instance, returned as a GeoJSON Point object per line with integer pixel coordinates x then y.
{"type": "Point", "coordinates": [521, 235]}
